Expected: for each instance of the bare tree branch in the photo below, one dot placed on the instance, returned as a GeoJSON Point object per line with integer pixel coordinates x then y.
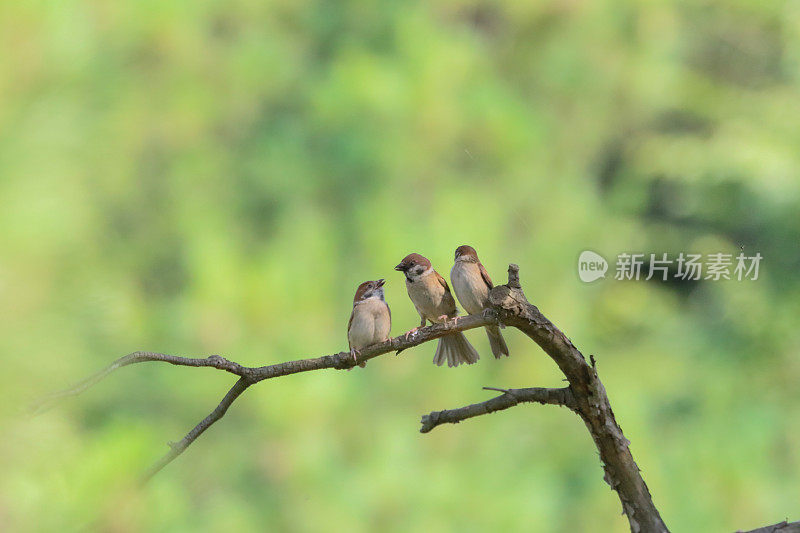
{"type": "Point", "coordinates": [214, 361]}
{"type": "Point", "coordinates": [780, 527]}
{"type": "Point", "coordinates": [252, 375]}
{"type": "Point", "coordinates": [509, 398]}
{"type": "Point", "coordinates": [177, 448]}
{"type": "Point", "coordinates": [591, 402]}
{"type": "Point", "coordinates": [585, 394]}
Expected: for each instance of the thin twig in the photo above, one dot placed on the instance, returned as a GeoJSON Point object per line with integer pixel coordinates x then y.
{"type": "Point", "coordinates": [496, 389]}
{"type": "Point", "coordinates": [177, 448]}
{"type": "Point", "coordinates": [213, 361]}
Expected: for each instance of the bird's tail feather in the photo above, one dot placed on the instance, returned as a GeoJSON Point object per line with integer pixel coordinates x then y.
{"type": "Point", "coordinates": [497, 342]}
{"type": "Point", "coordinates": [455, 349]}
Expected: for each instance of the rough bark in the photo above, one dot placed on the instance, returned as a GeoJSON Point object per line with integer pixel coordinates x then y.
{"type": "Point", "coordinates": [780, 527]}
{"type": "Point", "coordinates": [585, 394]}
{"type": "Point", "coordinates": [591, 402]}
{"type": "Point", "coordinates": [509, 398]}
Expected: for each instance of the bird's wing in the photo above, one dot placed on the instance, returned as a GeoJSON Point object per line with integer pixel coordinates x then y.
{"type": "Point", "coordinates": [448, 302]}
{"type": "Point", "coordinates": [485, 275]}
{"type": "Point", "coordinates": [350, 323]}
{"type": "Point", "coordinates": [442, 281]}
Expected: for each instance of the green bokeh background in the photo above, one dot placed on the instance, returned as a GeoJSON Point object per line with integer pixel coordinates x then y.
{"type": "Point", "coordinates": [218, 177]}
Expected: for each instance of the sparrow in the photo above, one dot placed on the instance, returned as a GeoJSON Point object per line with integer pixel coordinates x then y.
{"type": "Point", "coordinates": [431, 297]}
{"type": "Point", "coordinates": [472, 284]}
{"type": "Point", "coordinates": [370, 320]}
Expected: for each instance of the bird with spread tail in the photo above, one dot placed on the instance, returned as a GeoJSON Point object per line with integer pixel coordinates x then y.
{"type": "Point", "coordinates": [472, 284]}
{"type": "Point", "coordinates": [433, 301]}
{"type": "Point", "coordinates": [371, 319]}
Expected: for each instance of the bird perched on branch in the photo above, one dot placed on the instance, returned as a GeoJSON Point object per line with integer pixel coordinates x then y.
{"type": "Point", "coordinates": [472, 284]}
{"type": "Point", "coordinates": [431, 297]}
{"type": "Point", "coordinates": [371, 319]}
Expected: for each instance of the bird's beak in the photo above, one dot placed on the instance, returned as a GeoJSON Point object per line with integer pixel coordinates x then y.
{"type": "Point", "coordinates": [381, 282]}
{"type": "Point", "coordinates": [400, 267]}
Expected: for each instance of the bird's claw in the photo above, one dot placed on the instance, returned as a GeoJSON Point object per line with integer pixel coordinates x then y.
{"type": "Point", "coordinates": [444, 319]}
{"type": "Point", "coordinates": [411, 333]}
{"type": "Point", "coordinates": [489, 313]}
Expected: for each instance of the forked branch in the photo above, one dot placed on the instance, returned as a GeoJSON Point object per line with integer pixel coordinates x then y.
{"type": "Point", "coordinates": [251, 375]}
{"type": "Point", "coordinates": [585, 394]}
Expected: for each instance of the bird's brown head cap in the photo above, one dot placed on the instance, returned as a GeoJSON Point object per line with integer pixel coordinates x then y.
{"type": "Point", "coordinates": [368, 289]}
{"type": "Point", "coordinates": [466, 252]}
{"type": "Point", "coordinates": [412, 260]}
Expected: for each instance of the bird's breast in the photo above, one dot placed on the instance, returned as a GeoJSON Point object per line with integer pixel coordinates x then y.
{"type": "Point", "coordinates": [470, 287]}
{"type": "Point", "coordinates": [371, 323]}
{"type": "Point", "coordinates": [428, 297]}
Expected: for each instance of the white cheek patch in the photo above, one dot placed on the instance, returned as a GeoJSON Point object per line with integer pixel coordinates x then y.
{"type": "Point", "coordinates": [417, 272]}
{"type": "Point", "coordinates": [373, 294]}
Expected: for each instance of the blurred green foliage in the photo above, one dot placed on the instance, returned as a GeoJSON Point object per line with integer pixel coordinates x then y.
{"type": "Point", "coordinates": [207, 177]}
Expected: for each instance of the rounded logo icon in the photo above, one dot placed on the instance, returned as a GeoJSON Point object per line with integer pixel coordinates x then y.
{"type": "Point", "coordinates": [591, 266]}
